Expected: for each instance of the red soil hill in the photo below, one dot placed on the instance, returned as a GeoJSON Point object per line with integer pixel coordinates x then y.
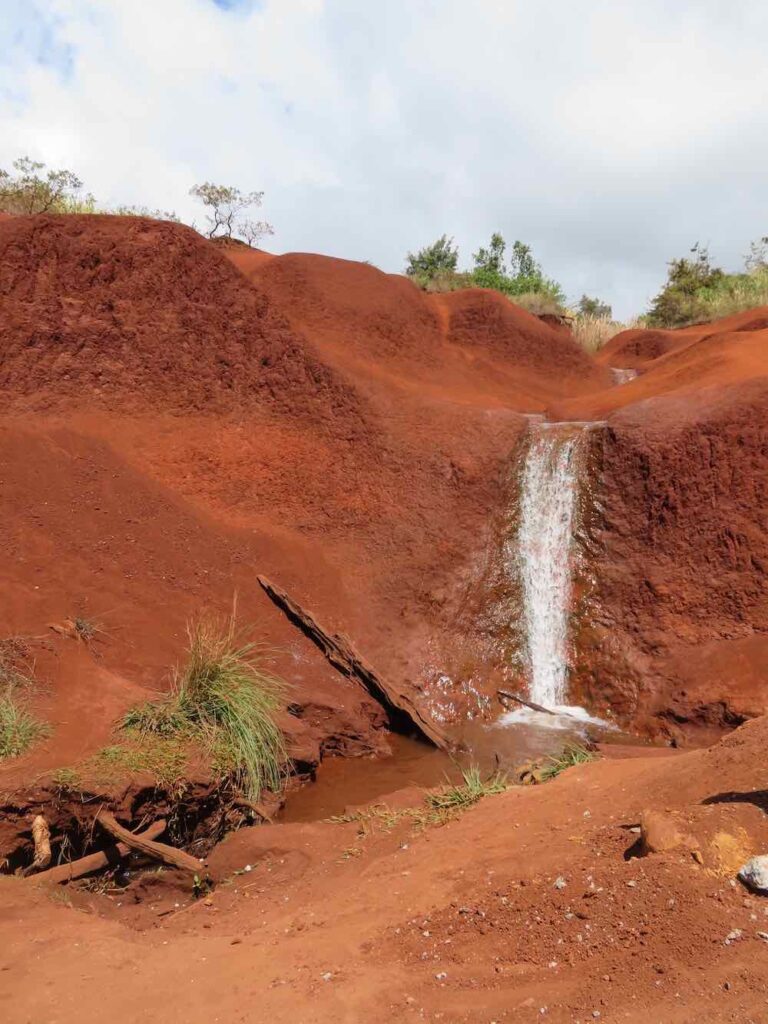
{"type": "Point", "coordinates": [173, 427]}
{"type": "Point", "coordinates": [355, 439]}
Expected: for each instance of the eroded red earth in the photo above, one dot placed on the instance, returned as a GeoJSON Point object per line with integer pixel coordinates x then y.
{"type": "Point", "coordinates": [179, 417]}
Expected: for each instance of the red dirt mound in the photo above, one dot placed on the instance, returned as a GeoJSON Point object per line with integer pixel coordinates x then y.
{"type": "Point", "coordinates": [637, 347]}
{"type": "Point", "coordinates": [101, 310]}
{"type": "Point", "coordinates": [472, 345]}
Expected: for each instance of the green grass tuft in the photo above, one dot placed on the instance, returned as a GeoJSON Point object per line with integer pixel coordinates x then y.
{"type": "Point", "coordinates": [572, 754]}
{"type": "Point", "coordinates": [18, 728]}
{"type": "Point", "coordinates": [473, 788]}
{"type": "Point", "coordinates": [225, 696]}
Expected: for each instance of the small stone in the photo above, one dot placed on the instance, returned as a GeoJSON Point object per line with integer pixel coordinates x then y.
{"type": "Point", "coordinates": [441, 976]}
{"type": "Point", "coordinates": [327, 976]}
{"type": "Point", "coordinates": [560, 882]}
{"type": "Point", "coordinates": [754, 874]}
{"type": "Point", "coordinates": [659, 832]}
{"type": "Point", "coordinates": [734, 936]}
{"type": "Point", "coordinates": [632, 883]}
{"type": "Point", "coordinates": [763, 936]}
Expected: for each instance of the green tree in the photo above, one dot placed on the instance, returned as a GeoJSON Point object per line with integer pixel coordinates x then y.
{"type": "Point", "coordinates": [490, 261]}
{"type": "Point", "coordinates": [525, 276]}
{"type": "Point", "coordinates": [686, 296]}
{"type": "Point", "coordinates": [595, 308]}
{"type": "Point", "coordinates": [228, 206]}
{"type": "Point", "coordinates": [523, 263]}
{"type": "Point", "coordinates": [757, 257]}
{"type": "Point", "coordinates": [33, 189]}
{"type": "Point", "coordinates": [439, 258]}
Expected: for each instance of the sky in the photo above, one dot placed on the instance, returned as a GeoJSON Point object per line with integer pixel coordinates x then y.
{"type": "Point", "coordinates": [610, 135]}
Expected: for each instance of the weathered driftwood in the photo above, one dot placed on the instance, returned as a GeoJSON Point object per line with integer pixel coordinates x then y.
{"type": "Point", "coordinates": [508, 695]}
{"type": "Point", "coordinates": [94, 861]}
{"type": "Point", "coordinates": [41, 835]}
{"type": "Point", "coordinates": [159, 851]}
{"type": "Point", "coordinates": [342, 655]}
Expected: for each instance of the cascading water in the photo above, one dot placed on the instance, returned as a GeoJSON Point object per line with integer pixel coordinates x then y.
{"type": "Point", "coordinates": [548, 501]}
{"type": "Point", "coordinates": [621, 376]}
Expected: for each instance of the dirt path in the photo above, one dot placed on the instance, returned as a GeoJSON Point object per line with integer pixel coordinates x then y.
{"type": "Point", "coordinates": [467, 922]}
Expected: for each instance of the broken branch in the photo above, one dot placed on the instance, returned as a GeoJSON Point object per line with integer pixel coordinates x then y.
{"type": "Point", "coordinates": [94, 861]}
{"type": "Point", "coordinates": [506, 695]}
{"type": "Point", "coordinates": [342, 655]}
{"type": "Point", "coordinates": [159, 851]}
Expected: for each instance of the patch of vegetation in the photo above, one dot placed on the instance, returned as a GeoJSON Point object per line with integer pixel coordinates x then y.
{"type": "Point", "coordinates": [541, 304]}
{"type": "Point", "coordinates": [228, 207]}
{"type": "Point", "coordinates": [225, 697]}
{"type": "Point", "coordinates": [67, 779]}
{"type": "Point", "coordinates": [592, 332]}
{"type": "Point", "coordinates": [696, 291]}
{"type": "Point", "coordinates": [434, 268]}
{"type": "Point", "coordinates": [591, 307]}
{"type": "Point", "coordinates": [572, 754]}
{"type": "Point", "coordinates": [19, 729]}
{"type": "Point", "coordinates": [437, 809]}
{"type": "Point", "coordinates": [32, 188]}
{"type": "Point", "coordinates": [86, 629]}
{"type": "Point", "coordinates": [472, 788]}
{"type": "Point", "coordinates": [437, 260]}
{"type": "Point", "coordinates": [163, 759]}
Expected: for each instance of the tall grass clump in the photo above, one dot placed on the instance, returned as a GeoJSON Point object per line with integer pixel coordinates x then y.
{"type": "Point", "coordinates": [225, 696]}
{"type": "Point", "coordinates": [19, 729]}
{"type": "Point", "coordinates": [594, 332]}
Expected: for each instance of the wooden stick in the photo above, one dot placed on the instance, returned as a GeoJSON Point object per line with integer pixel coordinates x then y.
{"type": "Point", "coordinates": [507, 695]}
{"type": "Point", "coordinates": [94, 861]}
{"type": "Point", "coordinates": [167, 854]}
{"type": "Point", "coordinates": [342, 655]}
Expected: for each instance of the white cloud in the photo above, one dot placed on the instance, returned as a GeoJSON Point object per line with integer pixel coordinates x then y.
{"type": "Point", "coordinates": [608, 135]}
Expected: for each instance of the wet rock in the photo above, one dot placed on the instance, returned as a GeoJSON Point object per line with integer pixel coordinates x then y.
{"type": "Point", "coordinates": [754, 874]}
{"type": "Point", "coordinates": [659, 832]}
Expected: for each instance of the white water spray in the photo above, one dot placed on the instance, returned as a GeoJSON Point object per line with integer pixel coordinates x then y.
{"type": "Point", "coordinates": [545, 542]}
{"type": "Point", "coordinates": [623, 376]}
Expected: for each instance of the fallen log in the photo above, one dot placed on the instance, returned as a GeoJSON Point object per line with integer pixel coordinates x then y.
{"type": "Point", "coordinates": [94, 861]}
{"type": "Point", "coordinates": [159, 851]}
{"type": "Point", "coordinates": [508, 695]}
{"type": "Point", "coordinates": [342, 655]}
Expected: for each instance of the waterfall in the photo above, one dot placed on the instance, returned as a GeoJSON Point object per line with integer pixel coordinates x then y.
{"type": "Point", "coordinates": [544, 550]}
{"type": "Point", "coordinates": [623, 376]}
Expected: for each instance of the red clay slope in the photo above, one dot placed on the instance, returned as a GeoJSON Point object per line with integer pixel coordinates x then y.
{"type": "Point", "coordinates": [365, 438]}
{"type": "Point", "coordinates": [678, 623]}
{"type": "Point", "coordinates": [354, 456]}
